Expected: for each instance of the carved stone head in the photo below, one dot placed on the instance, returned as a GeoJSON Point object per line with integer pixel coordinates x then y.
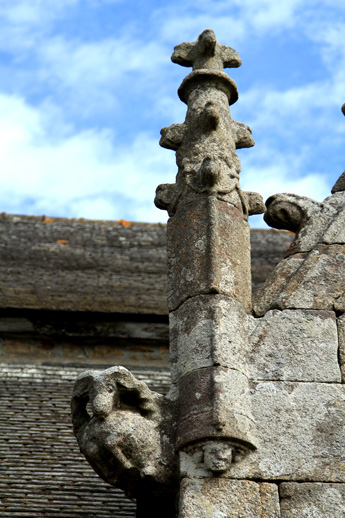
{"type": "Point", "coordinates": [218, 456]}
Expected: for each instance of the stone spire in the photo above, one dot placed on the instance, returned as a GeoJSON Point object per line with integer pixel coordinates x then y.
{"type": "Point", "coordinates": [209, 275]}
{"type": "Point", "coordinates": [207, 195]}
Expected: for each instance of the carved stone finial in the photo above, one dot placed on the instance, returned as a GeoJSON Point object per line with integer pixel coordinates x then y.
{"type": "Point", "coordinates": [208, 256]}
{"type": "Point", "coordinates": [208, 171]}
{"type": "Point", "coordinates": [206, 53]}
{"type": "Point", "coordinates": [135, 438]}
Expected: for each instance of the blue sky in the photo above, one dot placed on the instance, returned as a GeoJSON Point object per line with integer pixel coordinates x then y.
{"type": "Point", "coordinates": [86, 86]}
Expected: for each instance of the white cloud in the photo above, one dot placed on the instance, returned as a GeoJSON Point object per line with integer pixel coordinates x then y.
{"type": "Point", "coordinates": [35, 12]}
{"type": "Point", "coordinates": [52, 168]}
{"type": "Point", "coordinates": [89, 73]}
{"type": "Point", "coordinates": [273, 179]}
{"type": "Point", "coordinates": [235, 22]}
{"type": "Point", "coordinates": [82, 175]}
{"type": "Point", "coordinates": [86, 175]}
{"type": "Point", "coordinates": [24, 24]}
{"type": "Point", "coordinates": [292, 110]}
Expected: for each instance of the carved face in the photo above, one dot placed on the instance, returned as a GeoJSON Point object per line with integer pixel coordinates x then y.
{"type": "Point", "coordinates": [218, 456]}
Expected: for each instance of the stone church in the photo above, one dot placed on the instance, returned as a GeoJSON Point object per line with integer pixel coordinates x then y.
{"type": "Point", "coordinates": [204, 362]}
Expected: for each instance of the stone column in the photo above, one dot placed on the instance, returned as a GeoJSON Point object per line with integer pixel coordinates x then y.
{"type": "Point", "coordinates": [209, 282]}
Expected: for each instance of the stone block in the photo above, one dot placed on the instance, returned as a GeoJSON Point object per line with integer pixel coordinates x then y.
{"type": "Point", "coordinates": [205, 331]}
{"type": "Point", "coordinates": [341, 338]}
{"type": "Point", "coordinates": [336, 230]}
{"type": "Point", "coordinates": [294, 345]}
{"type": "Point", "coordinates": [208, 252]}
{"type": "Point", "coordinates": [314, 280]}
{"type": "Point", "coordinates": [312, 500]}
{"type": "Point", "coordinates": [301, 433]}
{"type": "Point", "coordinates": [225, 498]}
{"type": "Point", "coordinates": [215, 402]}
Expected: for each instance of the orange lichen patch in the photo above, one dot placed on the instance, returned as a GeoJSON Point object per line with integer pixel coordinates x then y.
{"type": "Point", "coordinates": [48, 220]}
{"type": "Point", "coordinates": [61, 241]}
{"type": "Point", "coordinates": [124, 223]}
{"type": "Point", "coordinates": [290, 232]}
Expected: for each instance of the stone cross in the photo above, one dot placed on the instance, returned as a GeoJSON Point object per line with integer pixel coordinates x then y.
{"type": "Point", "coordinates": [206, 53]}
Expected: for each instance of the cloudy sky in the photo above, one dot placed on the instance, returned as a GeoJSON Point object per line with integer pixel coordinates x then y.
{"type": "Point", "coordinates": [86, 86]}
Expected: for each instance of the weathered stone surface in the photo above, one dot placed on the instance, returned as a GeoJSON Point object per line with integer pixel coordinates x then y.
{"type": "Point", "coordinates": [254, 200]}
{"type": "Point", "coordinates": [211, 457]}
{"type": "Point", "coordinates": [301, 429]}
{"type": "Point", "coordinates": [290, 211]}
{"type": "Point", "coordinates": [341, 337]}
{"type": "Point", "coordinates": [268, 248]}
{"type": "Point", "coordinates": [312, 500]}
{"type": "Point", "coordinates": [339, 184]}
{"type": "Point", "coordinates": [172, 136]}
{"type": "Point", "coordinates": [208, 252]}
{"type": "Point", "coordinates": [300, 432]}
{"type": "Point", "coordinates": [294, 345]}
{"type": "Point", "coordinates": [208, 330]}
{"type": "Point", "coordinates": [214, 403]}
{"type": "Point", "coordinates": [122, 434]}
{"type": "Point", "coordinates": [335, 233]}
{"type": "Point", "coordinates": [205, 52]}
{"type": "Point", "coordinates": [208, 237]}
{"type": "Point", "coordinates": [314, 280]}
{"type": "Point", "coordinates": [312, 276]}
{"type": "Point", "coordinates": [224, 498]}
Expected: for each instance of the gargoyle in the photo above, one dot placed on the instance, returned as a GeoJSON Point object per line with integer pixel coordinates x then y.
{"type": "Point", "coordinates": [118, 423]}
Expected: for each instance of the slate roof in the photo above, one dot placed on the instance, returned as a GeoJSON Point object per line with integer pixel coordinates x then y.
{"type": "Point", "coordinates": [64, 264]}
{"type": "Point", "coordinates": [42, 472]}
{"type": "Point", "coordinates": [78, 291]}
